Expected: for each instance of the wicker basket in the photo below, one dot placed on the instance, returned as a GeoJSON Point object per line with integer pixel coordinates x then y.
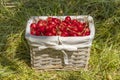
{"type": "Point", "coordinates": [51, 59]}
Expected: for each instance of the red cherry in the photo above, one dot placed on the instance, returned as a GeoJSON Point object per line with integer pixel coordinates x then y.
{"type": "Point", "coordinates": [64, 23]}
{"type": "Point", "coordinates": [49, 19]}
{"type": "Point", "coordinates": [84, 24]}
{"type": "Point", "coordinates": [69, 26]}
{"type": "Point", "coordinates": [68, 19]}
{"type": "Point", "coordinates": [71, 33]}
{"type": "Point", "coordinates": [42, 23]}
{"type": "Point", "coordinates": [74, 29]}
{"type": "Point", "coordinates": [87, 31]}
{"type": "Point", "coordinates": [53, 23]}
{"type": "Point", "coordinates": [63, 26]}
{"type": "Point", "coordinates": [49, 27]}
{"type": "Point", "coordinates": [64, 34]}
{"type": "Point", "coordinates": [37, 33]}
{"type": "Point", "coordinates": [54, 31]}
{"type": "Point", "coordinates": [33, 32]}
{"type": "Point", "coordinates": [33, 26]}
{"type": "Point", "coordinates": [74, 24]}
{"type": "Point", "coordinates": [57, 21]}
{"type": "Point", "coordinates": [80, 27]}
{"type": "Point", "coordinates": [83, 34]}
{"type": "Point", "coordinates": [49, 34]}
{"type": "Point", "coordinates": [39, 23]}
{"type": "Point", "coordinates": [41, 28]}
{"type": "Point", "coordinates": [75, 34]}
{"type": "Point", "coordinates": [74, 21]}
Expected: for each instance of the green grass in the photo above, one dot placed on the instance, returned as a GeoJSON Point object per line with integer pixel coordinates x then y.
{"type": "Point", "coordinates": [104, 63]}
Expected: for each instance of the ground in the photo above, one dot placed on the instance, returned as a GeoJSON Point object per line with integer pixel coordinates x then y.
{"type": "Point", "coordinates": [104, 63]}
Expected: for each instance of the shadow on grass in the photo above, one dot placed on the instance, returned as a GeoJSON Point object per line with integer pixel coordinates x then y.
{"type": "Point", "coordinates": [5, 62]}
{"type": "Point", "coordinates": [12, 53]}
{"type": "Point", "coordinates": [23, 51]}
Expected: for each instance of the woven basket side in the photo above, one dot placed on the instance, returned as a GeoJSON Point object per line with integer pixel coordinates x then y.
{"type": "Point", "coordinates": [77, 59]}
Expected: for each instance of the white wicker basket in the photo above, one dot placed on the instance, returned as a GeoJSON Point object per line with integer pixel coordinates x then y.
{"type": "Point", "coordinates": [73, 53]}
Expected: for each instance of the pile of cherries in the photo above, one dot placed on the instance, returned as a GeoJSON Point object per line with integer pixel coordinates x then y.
{"type": "Point", "coordinates": [56, 27]}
